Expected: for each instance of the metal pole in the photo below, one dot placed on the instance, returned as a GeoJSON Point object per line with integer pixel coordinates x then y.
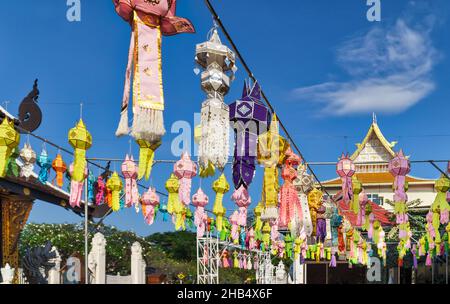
{"type": "Point", "coordinates": [326, 275]}
{"type": "Point", "coordinates": [86, 235]}
{"type": "Point", "coordinates": [432, 271]}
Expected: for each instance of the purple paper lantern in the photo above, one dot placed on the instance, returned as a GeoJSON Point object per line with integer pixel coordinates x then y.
{"type": "Point", "coordinates": [250, 118]}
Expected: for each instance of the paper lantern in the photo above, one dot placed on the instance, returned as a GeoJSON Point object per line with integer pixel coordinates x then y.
{"type": "Point", "coordinates": [271, 153]}
{"type": "Point", "coordinates": [148, 20]}
{"type": "Point", "coordinates": [91, 188]}
{"type": "Point", "coordinates": [442, 186]}
{"type": "Point", "coordinates": [60, 167]}
{"type": "Point", "coordinates": [356, 189]}
{"type": "Point", "coordinates": [345, 168]}
{"type": "Point", "coordinates": [149, 201]}
{"type": "Point", "coordinates": [258, 222]}
{"type": "Point", "coordinates": [220, 186]}
{"type": "Point", "coordinates": [266, 235]}
{"type": "Point", "coordinates": [314, 202]}
{"type": "Point", "coordinates": [363, 202]}
{"type": "Point", "coordinates": [242, 199]}
{"type": "Point", "coordinates": [81, 140]}
{"type": "Point", "coordinates": [114, 184]}
{"type": "Point", "coordinates": [28, 157]}
{"type": "Point", "coordinates": [250, 119]}
{"type": "Point", "coordinates": [185, 169]}
{"type": "Point", "coordinates": [200, 200]}
{"type": "Point", "coordinates": [172, 186]}
{"type": "Point", "coordinates": [100, 191]}
{"type": "Point", "coordinates": [234, 221]}
{"type": "Point", "coordinates": [304, 184]}
{"type": "Point", "coordinates": [45, 163]}
{"type": "Point", "coordinates": [290, 209]}
{"type": "Point", "coordinates": [76, 188]}
{"type": "Point", "coordinates": [146, 157]}
{"type": "Point", "coordinates": [130, 173]}
{"type": "Point", "coordinates": [321, 229]}
{"type": "Point", "coordinates": [399, 167]}
{"type": "Point", "coordinates": [218, 62]}
{"type": "Point", "coordinates": [336, 222]}
{"type": "Point", "coordinates": [13, 168]}
{"type": "Point", "coordinates": [9, 140]}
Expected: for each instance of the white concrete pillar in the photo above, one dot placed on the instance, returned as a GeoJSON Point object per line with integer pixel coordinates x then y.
{"type": "Point", "coordinates": [137, 264]}
{"type": "Point", "coordinates": [7, 274]}
{"type": "Point", "coordinates": [54, 274]}
{"type": "Point", "coordinates": [97, 259]}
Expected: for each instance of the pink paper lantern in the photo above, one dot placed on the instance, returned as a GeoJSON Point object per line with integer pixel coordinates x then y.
{"type": "Point", "coordinates": [149, 201]}
{"type": "Point", "coordinates": [200, 200]}
{"type": "Point", "coordinates": [185, 169]}
{"type": "Point", "coordinates": [242, 199]}
{"type": "Point", "coordinates": [130, 173]}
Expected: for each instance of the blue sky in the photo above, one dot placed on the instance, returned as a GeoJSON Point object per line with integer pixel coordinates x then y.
{"type": "Point", "coordinates": [324, 67]}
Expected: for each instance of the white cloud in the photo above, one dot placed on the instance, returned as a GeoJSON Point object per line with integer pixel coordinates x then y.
{"type": "Point", "coordinates": [390, 71]}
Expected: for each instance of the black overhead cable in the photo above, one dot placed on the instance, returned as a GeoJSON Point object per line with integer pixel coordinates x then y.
{"type": "Point", "coordinates": [250, 74]}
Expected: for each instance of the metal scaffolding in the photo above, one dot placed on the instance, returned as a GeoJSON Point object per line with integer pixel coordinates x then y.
{"type": "Point", "coordinates": [208, 257]}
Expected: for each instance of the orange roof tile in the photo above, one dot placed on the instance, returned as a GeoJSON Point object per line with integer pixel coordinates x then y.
{"type": "Point", "coordinates": [375, 178]}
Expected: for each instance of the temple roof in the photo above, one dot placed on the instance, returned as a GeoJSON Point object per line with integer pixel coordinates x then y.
{"type": "Point", "coordinates": [374, 131]}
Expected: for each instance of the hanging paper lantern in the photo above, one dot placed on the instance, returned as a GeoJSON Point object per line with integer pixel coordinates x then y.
{"type": "Point", "coordinates": [399, 167]}
{"type": "Point", "coordinates": [149, 201]}
{"type": "Point", "coordinates": [314, 202]}
{"type": "Point", "coordinates": [242, 199]}
{"type": "Point", "coordinates": [76, 188]}
{"type": "Point", "coordinates": [60, 167]}
{"type": "Point", "coordinates": [185, 169]}
{"type": "Point", "coordinates": [345, 168]}
{"type": "Point", "coordinates": [336, 222]}
{"type": "Point", "coordinates": [258, 222]}
{"type": "Point", "coordinates": [9, 140]}
{"type": "Point", "coordinates": [100, 191]}
{"type": "Point", "coordinates": [220, 186]}
{"type": "Point", "coordinates": [45, 163]}
{"type": "Point", "coordinates": [172, 186]}
{"type": "Point", "coordinates": [130, 173]}
{"type": "Point", "coordinates": [357, 188]}
{"type": "Point", "coordinates": [442, 186]}
{"type": "Point", "coordinates": [28, 157]}
{"type": "Point", "coordinates": [218, 62]}
{"type": "Point", "coordinates": [234, 221]}
{"type": "Point", "coordinates": [321, 228]}
{"type": "Point", "coordinates": [304, 184]}
{"type": "Point", "coordinates": [91, 182]}
{"type": "Point", "coordinates": [266, 235]}
{"type": "Point", "coordinates": [200, 200]}
{"type": "Point", "coordinates": [114, 184]}
{"type": "Point", "coordinates": [290, 210]}
{"type": "Point", "coordinates": [81, 140]}
{"type": "Point", "coordinates": [363, 202]}
{"type": "Point", "coordinates": [250, 119]}
{"type": "Point", "coordinates": [148, 20]}
{"type": "Point", "coordinates": [13, 168]}
{"type": "Point", "coordinates": [164, 212]}
{"type": "Point", "coordinates": [146, 156]}
{"type": "Point", "coordinates": [271, 153]}
{"type": "Point", "coordinates": [251, 239]}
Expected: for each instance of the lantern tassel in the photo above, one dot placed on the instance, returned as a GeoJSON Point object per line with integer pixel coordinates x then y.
{"type": "Point", "coordinates": [123, 128]}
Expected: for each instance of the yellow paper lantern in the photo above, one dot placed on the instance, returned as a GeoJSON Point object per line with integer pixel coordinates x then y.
{"type": "Point", "coordinates": [81, 140]}
{"type": "Point", "coordinates": [146, 156]}
{"type": "Point", "coordinates": [220, 186]}
{"type": "Point", "coordinates": [9, 140]}
{"type": "Point", "coordinates": [114, 184]}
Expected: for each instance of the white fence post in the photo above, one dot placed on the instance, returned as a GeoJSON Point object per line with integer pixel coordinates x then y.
{"type": "Point", "coordinates": [7, 274]}
{"type": "Point", "coordinates": [54, 275]}
{"type": "Point", "coordinates": [137, 264]}
{"type": "Point", "coordinates": [97, 259]}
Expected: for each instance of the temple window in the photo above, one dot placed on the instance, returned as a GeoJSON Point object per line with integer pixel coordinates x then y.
{"type": "Point", "coordinates": [376, 199]}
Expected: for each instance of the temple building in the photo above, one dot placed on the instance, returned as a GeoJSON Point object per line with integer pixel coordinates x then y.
{"type": "Point", "coordinates": [371, 161]}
